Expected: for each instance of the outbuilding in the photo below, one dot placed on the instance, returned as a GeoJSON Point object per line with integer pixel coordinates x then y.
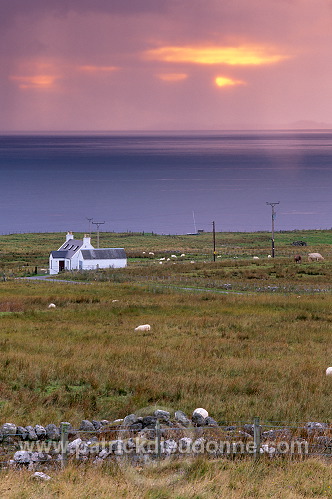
{"type": "Point", "coordinates": [77, 254]}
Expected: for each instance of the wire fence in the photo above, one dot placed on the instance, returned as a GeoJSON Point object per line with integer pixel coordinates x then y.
{"type": "Point", "coordinates": [161, 440]}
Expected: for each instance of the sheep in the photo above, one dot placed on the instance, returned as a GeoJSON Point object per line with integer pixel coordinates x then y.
{"type": "Point", "coordinates": [51, 305]}
{"type": "Point", "coordinates": [297, 258]}
{"type": "Point", "coordinates": [255, 257]}
{"type": "Point", "coordinates": [315, 257]}
{"type": "Point", "coordinates": [329, 371]}
{"type": "Point", "coordinates": [114, 301]}
{"type": "Point", "coordinates": [183, 254]}
{"type": "Point", "coordinates": [162, 259]}
{"type": "Point", "coordinates": [269, 256]}
{"type": "Point", "coordinates": [143, 327]}
{"type": "Point", "coordinates": [151, 253]}
{"type": "Point", "coordinates": [203, 412]}
{"type": "Point", "coordinates": [173, 256]}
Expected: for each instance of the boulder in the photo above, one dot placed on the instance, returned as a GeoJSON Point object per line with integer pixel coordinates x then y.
{"type": "Point", "coordinates": [86, 425]}
{"type": "Point", "coordinates": [198, 419]}
{"type": "Point", "coordinates": [39, 475]}
{"type": "Point", "coordinates": [22, 457]}
{"type": "Point", "coordinates": [32, 435]}
{"type": "Point", "coordinates": [52, 432]}
{"type": "Point", "coordinates": [181, 418]}
{"type": "Point", "coordinates": [8, 429]}
{"type": "Point", "coordinates": [40, 432]}
{"type": "Point", "coordinates": [162, 415]}
{"type": "Point", "coordinates": [22, 432]}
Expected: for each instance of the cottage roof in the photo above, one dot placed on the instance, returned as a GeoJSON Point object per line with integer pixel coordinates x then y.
{"type": "Point", "coordinates": [68, 249]}
{"type": "Point", "coordinates": [103, 254]}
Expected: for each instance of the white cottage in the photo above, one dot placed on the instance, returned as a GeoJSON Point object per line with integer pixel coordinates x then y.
{"type": "Point", "coordinates": [76, 254]}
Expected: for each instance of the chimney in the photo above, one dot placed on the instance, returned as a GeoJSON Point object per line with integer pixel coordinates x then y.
{"type": "Point", "coordinates": [86, 241]}
{"type": "Point", "coordinates": [69, 236]}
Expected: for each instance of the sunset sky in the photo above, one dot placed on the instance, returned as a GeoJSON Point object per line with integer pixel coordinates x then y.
{"type": "Point", "coordinates": [97, 65]}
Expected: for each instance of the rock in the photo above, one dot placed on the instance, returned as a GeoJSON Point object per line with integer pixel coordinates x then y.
{"type": "Point", "coordinates": [201, 411]}
{"type": "Point", "coordinates": [149, 422]}
{"type": "Point", "coordinates": [96, 424]}
{"type": "Point", "coordinates": [22, 457]}
{"type": "Point", "coordinates": [74, 445]}
{"type": "Point", "coordinates": [39, 475]}
{"type": "Point", "coordinates": [39, 457]}
{"type": "Point", "coordinates": [169, 446]}
{"type": "Point", "coordinates": [131, 419]}
{"type": "Point", "coordinates": [136, 426]}
{"type": "Point", "coordinates": [32, 435]}
{"type": "Point", "coordinates": [8, 429]}
{"type": "Point", "coordinates": [86, 425]}
{"type": "Point", "coordinates": [282, 433]}
{"type": "Point", "coordinates": [117, 447]}
{"type": "Point", "coordinates": [198, 419]}
{"type": "Point", "coordinates": [105, 422]}
{"type": "Point", "coordinates": [181, 418]}
{"type": "Point", "coordinates": [184, 445]}
{"type": "Point", "coordinates": [316, 428]}
{"type": "Point", "coordinates": [211, 422]}
{"type": "Point", "coordinates": [22, 432]}
{"type": "Point", "coordinates": [40, 432]}
{"type": "Point", "coordinates": [103, 454]}
{"type": "Point", "coordinates": [162, 415]}
{"type": "Point", "coordinates": [52, 432]}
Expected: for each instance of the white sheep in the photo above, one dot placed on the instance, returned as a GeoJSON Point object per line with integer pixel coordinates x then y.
{"type": "Point", "coordinates": [269, 256]}
{"type": "Point", "coordinates": [151, 253]}
{"type": "Point", "coordinates": [143, 327]}
{"type": "Point", "coordinates": [51, 305]}
{"type": "Point", "coordinates": [162, 259]}
{"type": "Point", "coordinates": [183, 254]}
{"type": "Point", "coordinates": [203, 412]}
{"type": "Point", "coordinates": [255, 257]}
{"type": "Point", "coordinates": [114, 301]}
{"type": "Point", "coordinates": [173, 256]}
{"type": "Point", "coordinates": [315, 257]}
{"type": "Point", "coordinates": [329, 371]}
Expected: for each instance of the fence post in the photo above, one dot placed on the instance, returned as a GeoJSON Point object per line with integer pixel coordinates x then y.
{"type": "Point", "coordinates": [257, 438]}
{"type": "Point", "coordinates": [158, 439]}
{"type": "Point", "coordinates": [64, 427]}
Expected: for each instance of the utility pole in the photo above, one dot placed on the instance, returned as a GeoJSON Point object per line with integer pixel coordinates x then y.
{"type": "Point", "coordinates": [214, 240]}
{"type": "Point", "coordinates": [273, 218]}
{"type": "Point", "coordinates": [90, 220]}
{"type": "Point", "coordinates": [98, 224]}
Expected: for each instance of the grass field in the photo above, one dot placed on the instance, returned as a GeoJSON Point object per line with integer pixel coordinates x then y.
{"type": "Point", "coordinates": [260, 350]}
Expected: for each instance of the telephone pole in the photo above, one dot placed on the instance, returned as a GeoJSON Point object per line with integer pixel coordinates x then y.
{"type": "Point", "coordinates": [214, 240]}
{"type": "Point", "coordinates": [273, 218]}
{"type": "Point", "coordinates": [98, 224]}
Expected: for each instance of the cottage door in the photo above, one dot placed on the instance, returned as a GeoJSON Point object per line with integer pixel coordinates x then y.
{"type": "Point", "coordinates": [61, 265]}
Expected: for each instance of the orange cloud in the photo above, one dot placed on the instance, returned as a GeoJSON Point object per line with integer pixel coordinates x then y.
{"type": "Point", "coordinates": [233, 56]}
{"type": "Point", "coordinates": [172, 77]}
{"type": "Point", "coordinates": [41, 81]}
{"type": "Point", "coordinates": [223, 81]}
{"type": "Point", "coordinates": [97, 69]}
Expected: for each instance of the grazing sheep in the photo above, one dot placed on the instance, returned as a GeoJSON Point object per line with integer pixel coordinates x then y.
{"type": "Point", "coordinates": [202, 412]}
{"type": "Point", "coordinates": [143, 327]}
{"type": "Point", "coordinates": [329, 371]}
{"type": "Point", "coordinates": [51, 305]}
{"type": "Point", "coordinates": [297, 258]}
{"type": "Point", "coordinates": [173, 256]}
{"type": "Point", "coordinates": [269, 256]}
{"type": "Point", "coordinates": [255, 257]}
{"type": "Point", "coordinates": [114, 301]}
{"type": "Point", "coordinates": [315, 257]}
{"type": "Point", "coordinates": [183, 254]}
{"type": "Point", "coordinates": [151, 253]}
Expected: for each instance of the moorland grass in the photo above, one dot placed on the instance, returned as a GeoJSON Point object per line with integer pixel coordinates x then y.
{"type": "Point", "coordinates": [240, 356]}
{"type": "Point", "coordinates": [191, 479]}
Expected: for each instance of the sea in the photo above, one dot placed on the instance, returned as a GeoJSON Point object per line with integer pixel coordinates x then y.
{"type": "Point", "coordinates": [166, 182]}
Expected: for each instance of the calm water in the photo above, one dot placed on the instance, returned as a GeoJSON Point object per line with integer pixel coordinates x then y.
{"type": "Point", "coordinates": [155, 182]}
